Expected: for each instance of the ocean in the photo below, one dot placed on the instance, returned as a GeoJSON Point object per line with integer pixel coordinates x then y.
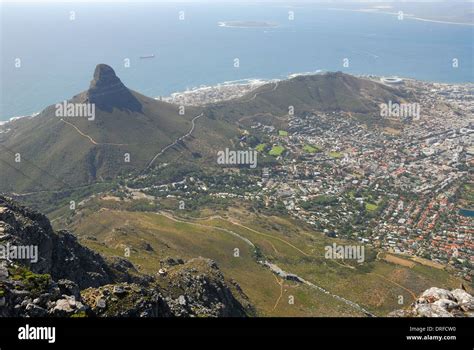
{"type": "Point", "coordinates": [59, 45]}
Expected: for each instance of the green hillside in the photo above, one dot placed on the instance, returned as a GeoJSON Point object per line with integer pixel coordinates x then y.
{"type": "Point", "coordinates": [63, 152]}
{"type": "Point", "coordinates": [321, 92]}
{"type": "Point", "coordinates": [110, 227]}
{"type": "Point", "coordinates": [130, 130]}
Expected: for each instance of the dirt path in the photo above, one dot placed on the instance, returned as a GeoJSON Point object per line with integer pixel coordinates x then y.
{"type": "Point", "coordinates": [234, 222]}
{"type": "Point", "coordinates": [273, 267]}
{"type": "Point", "coordinates": [396, 284]}
{"type": "Point", "coordinates": [94, 142]}
{"type": "Point", "coordinates": [261, 92]}
{"type": "Point", "coordinates": [280, 283]}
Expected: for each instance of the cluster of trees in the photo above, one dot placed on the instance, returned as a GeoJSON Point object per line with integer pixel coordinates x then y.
{"type": "Point", "coordinates": [318, 202]}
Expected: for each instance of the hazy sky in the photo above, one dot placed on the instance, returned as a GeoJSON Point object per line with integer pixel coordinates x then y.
{"type": "Point", "coordinates": [221, 1]}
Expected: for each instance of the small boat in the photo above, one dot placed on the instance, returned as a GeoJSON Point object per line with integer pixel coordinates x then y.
{"type": "Point", "coordinates": [147, 56]}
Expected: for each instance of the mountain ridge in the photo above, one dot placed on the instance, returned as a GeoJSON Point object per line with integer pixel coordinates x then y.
{"type": "Point", "coordinates": [130, 129]}
{"type": "Point", "coordinates": [73, 281]}
{"type": "Point", "coordinates": [78, 150]}
{"type": "Point", "coordinates": [331, 91]}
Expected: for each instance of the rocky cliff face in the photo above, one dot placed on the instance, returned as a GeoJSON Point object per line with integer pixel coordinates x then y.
{"type": "Point", "coordinates": [194, 288]}
{"type": "Point", "coordinates": [107, 91]}
{"type": "Point", "coordinates": [437, 302]}
{"type": "Point", "coordinates": [69, 279]}
{"type": "Point", "coordinates": [58, 253]}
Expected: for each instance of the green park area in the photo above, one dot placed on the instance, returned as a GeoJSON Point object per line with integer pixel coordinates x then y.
{"type": "Point", "coordinates": [276, 151]}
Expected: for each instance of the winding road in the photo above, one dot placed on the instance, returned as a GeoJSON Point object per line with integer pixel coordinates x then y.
{"type": "Point", "coordinates": [261, 92]}
{"type": "Point", "coordinates": [273, 267]}
{"type": "Point", "coordinates": [193, 122]}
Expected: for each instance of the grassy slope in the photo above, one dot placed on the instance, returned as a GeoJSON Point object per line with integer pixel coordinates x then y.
{"type": "Point", "coordinates": [324, 92]}
{"type": "Point", "coordinates": [55, 155]}
{"type": "Point", "coordinates": [375, 285]}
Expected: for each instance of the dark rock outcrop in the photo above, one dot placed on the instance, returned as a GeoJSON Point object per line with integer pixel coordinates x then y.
{"type": "Point", "coordinates": [195, 288]}
{"type": "Point", "coordinates": [198, 287]}
{"type": "Point", "coordinates": [107, 91]}
{"type": "Point", "coordinates": [70, 280]}
{"type": "Point", "coordinates": [59, 254]}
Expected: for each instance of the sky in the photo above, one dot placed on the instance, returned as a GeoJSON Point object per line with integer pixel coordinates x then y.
{"type": "Point", "coordinates": [234, 1]}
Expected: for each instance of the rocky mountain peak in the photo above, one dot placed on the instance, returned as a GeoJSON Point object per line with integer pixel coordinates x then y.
{"type": "Point", "coordinates": [107, 91]}
{"type": "Point", "coordinates": [104, 77]}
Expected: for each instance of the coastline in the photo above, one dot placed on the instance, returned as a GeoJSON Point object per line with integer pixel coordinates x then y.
{"type": "Point", "coordinates": [225, 91]}
{"type": "Point", "coordinates": [246, 85]}
{"type": "Point", "coordinates": [238, 88]}
{"type": "Point", "coordinates": [12, 119]}
{"type": "Point", "coordinates": [433, 68]}
{"type": "Point", "coordinates": [405, 15]}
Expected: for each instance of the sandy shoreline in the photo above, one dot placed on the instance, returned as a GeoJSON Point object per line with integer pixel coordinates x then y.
{"type": "Point", "coordinates": [228, 90]}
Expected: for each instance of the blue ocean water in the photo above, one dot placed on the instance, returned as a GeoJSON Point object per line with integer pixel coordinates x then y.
{"type": "Point", "coordinates": [58, 55]}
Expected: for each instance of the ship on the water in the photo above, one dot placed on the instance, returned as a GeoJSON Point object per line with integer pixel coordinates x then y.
{"type": "Point", "coordinates": [147, 56]}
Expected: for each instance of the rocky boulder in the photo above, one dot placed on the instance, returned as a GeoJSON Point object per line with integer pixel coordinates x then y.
{"type": "Point", "coordinates": [198, 288]}
{"type": "Point", "coordinates": [437, 302]}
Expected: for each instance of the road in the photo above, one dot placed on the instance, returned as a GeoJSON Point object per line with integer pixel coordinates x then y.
{"type": "Point", "coordinates": [261, 92]}
{"type": "Point", "coordinates": [193, 122]}
{"type": "Point", "coordinates": [273, 267]}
